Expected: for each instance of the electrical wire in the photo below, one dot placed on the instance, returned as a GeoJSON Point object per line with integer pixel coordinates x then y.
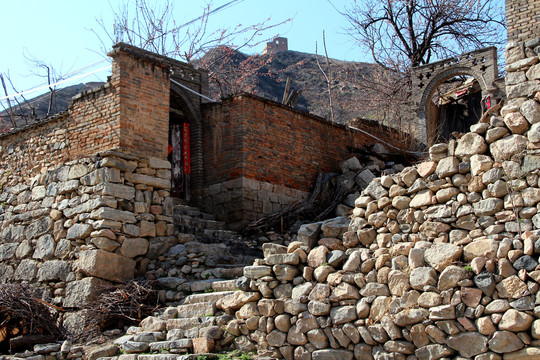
{"type": "Point", "coordinates": [193, 91]}
{"type": "Point", "coordinates": [41, 87]}
{"type": "Point", "coordinates": [219, 8]}
{"type": "Point", "coordinates": [38, 87]}
{"type": "Point", "coordinates": [56, 83]}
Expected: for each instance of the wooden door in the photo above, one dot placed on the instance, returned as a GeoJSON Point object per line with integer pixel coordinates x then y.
{"type": "Point", "coordinates": [180, 158]}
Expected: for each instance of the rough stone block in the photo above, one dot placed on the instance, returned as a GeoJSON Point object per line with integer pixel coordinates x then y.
{"type": "Point", "coordinates": [106, 265]}
{"type": "Point", "coordinates": [82, 292]}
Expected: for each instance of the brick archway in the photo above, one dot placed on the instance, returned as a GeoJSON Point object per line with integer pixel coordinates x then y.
{"type": "Point", "coordinates": [480, 64]}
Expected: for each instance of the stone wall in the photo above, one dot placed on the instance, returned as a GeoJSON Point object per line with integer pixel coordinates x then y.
{"type": "Point", "coordinates": [273, 148]}
{"type": "Point", "coordinates": [85, 195]}
{"type": "Point", "coordinates": [438, 261]}
{"type": "Point", "coordinates": [88, 220]}
{"type": "Point", "coordinates": [277, 45]}
{"type": "Point", "coordinates": [522, 19]}
{"type": "Point", "coordinates": [244, 199]}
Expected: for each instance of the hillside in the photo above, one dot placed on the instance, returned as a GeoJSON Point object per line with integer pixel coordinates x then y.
{"type": "Point", "coordinates": [266, 76]}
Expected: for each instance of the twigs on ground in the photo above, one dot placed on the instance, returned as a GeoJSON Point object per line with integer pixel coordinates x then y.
{"type": "Point", "coordinates": [316, 206]}
{"type": "Point", "coordinates": [22, 314]}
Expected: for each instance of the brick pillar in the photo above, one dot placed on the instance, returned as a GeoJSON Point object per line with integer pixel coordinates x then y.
{"type": "Point", "coordinates": [142, 84]}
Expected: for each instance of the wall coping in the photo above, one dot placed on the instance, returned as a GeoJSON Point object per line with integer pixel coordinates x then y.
{"type": "Point", "coordinates": [239, 96]}
{"type": "Point", "coordinates": [56, 117]}
{"type": "Point", "coordinates": [157, 59]}
{"type": "Point", "coordinates": [370, 124]}
{"type": "Point", "coordinates": [59, 115]}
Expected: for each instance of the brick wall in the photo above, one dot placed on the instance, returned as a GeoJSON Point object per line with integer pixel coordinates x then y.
{"type": "Point", "coordinates": [90, 126]}
{"type": "Point", "coordinates": [129, 114]}
{"type": "Point", "coordinates": [143, 89]}
{"type": "Point", "coordinates": [260, 139]}
{"type": "Point", "coordinates": [94, 124]}
{"type": "Point", "coordinates": [523, 19]}
{"type": "Point", "coordinates": [282, 150]}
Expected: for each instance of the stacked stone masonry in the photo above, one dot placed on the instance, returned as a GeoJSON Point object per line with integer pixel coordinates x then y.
{"type": "Point", "coordinates": [438, 261]}
{"type": "Point", "coordinates": [82, 205]}
{"type": "Point", "coordinates": [244, 199]}
{"type": "Point", "coordinates": [87, 221]}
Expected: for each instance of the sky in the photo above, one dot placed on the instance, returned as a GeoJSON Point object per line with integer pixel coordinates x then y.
{"type": "Point", "coordinates": [59, 33]}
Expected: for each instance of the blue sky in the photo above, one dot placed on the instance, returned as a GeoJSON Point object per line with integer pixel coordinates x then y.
{"type": "Point", "coordinates": [59, 32]}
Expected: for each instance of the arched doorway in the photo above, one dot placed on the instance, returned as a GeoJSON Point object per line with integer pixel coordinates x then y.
{"type": "Point", "coordinates": [435, 122]}
{"type": "Point", "coordinates": [456, 100]}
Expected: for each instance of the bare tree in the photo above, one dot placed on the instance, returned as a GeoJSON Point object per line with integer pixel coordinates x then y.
{"type": "Point", "coordinates": [22, 111]}
{"type": "Point", "coordinates": [401, 34]}
{"type": "Point", "coordinates": [327, 77]}
{"type": "Point", "coordinates": [153, 27]}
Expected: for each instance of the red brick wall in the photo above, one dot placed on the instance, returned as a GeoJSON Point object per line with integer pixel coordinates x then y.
{"type": "Point", "coordinates": [143, 90]}
{"type": "Point", "coordinates": [129, 114]}
{"type": "Point", "coordinates": [263, 140]}
{"type": "Point", "coordinates": [94, 124]}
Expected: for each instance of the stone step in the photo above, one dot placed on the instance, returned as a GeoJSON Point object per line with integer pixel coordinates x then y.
{"type": "Point", "coordinates": [174, 346]}
{"type": "Point", "coordinates": [169, 357]}
{"type": "Point", "coordinates": [208, 285]}
{"type": "Point", "coordinates": [194, 212]}
{"type": "Point", "coordinates": [196, 226]}
{"type": "Point", "coordinates": [221, 234]}
{"type": "Point", "coordinates": [199, 309]}
{"type": "Point", "coordinates": [207, 297]}
{"type": "Point", "coordinates": [190, 323]}
{"type": "Point", "coordinates": [224, 286]}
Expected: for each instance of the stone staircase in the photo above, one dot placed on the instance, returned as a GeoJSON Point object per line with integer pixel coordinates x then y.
{"type": "Point", "coordinates": [190, 220]}
{"type": "Point", "coordinates": [207, 254]}
{"type": "Point", "coordinates": [206, 265]}
{"type": "Point", "coordinates": [178, 332]}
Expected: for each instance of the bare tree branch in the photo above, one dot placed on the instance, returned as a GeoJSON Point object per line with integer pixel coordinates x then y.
{"type": "Point", "coordinates": [327, 75]}
{"type": "Point", "coordinates": [154, 29]}
{"type": "Point", "coordinates": [417, 30]}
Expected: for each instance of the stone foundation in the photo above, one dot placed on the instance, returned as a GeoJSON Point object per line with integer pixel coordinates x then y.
{"type": "Point", "coordinates": [98, 217]}
{"type": "Point", "coordinates": [242, 200]}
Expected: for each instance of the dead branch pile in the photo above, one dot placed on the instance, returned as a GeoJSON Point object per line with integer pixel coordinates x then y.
{"type": "Point", "coordinates": [25, 319]}
{"type": "Point", "coordinates": [120, 305]}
